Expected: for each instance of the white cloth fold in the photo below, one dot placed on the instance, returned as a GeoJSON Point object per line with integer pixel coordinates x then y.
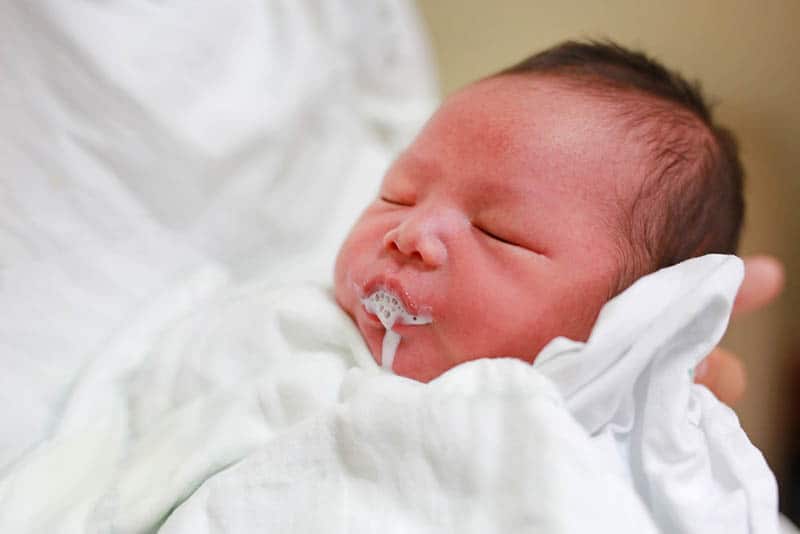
{"type": "Point", "coordinates": [143, 143]}
{"type": "Point", "coordinates": [488, 447]}
{"type": "Point", "coordinates": [630, 386]}
{"type": "Point", "coordinates": [265, 410]}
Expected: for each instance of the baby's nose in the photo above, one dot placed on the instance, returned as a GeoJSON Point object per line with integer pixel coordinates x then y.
{"type": "Point", "coordinates": [424, 236]}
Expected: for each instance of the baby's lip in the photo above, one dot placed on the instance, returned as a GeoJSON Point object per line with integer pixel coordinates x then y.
{"type": "Point", "coordinates": [396, 287]}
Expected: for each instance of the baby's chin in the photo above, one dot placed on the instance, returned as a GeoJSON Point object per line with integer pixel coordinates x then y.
{"type": "Point", "coordinates": [416, 357]}
{"type": "Point", "coordinates": [419, 365]}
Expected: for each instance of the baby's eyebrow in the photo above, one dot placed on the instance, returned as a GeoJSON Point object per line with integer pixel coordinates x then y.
{"type": "Point", "coordinates": [505, 189]}
{"type": "Point", "coordinates": [419, 166]}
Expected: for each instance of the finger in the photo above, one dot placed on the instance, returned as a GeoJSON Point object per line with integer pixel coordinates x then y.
{"type": "Point", "coordinates": [764, 278]}
{"type": "Point", "coordinates": [724, 374]}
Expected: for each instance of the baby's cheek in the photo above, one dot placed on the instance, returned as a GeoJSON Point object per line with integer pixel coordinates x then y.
{"type": "Point", "coordinates": [356, 253]}
{"type": "Point", "coordinates": [511, 322]}
{"type": "Point", "coordinates": [524, 334]}
{"type": "Point", "coordinates": [582, 306]}
{"type": "Point", "coordinates": [490, 331]}
{"type": "Point", "coordinates": [342, 289]}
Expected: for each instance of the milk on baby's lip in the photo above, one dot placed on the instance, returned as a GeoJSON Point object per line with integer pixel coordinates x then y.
{"type": "Point", "coordinates": [389, 309]}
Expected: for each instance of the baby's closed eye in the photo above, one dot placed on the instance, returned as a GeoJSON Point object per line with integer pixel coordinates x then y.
{"type": "Point", "coordinates": [395, 201]}
{"type": "Point", "coordinates": [496, 237]}
{"type": "Point", "coordinates": [508, 239]}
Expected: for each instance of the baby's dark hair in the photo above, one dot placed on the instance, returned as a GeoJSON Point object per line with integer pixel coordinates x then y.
{"type": "Point", "coordinates": [690, 202]}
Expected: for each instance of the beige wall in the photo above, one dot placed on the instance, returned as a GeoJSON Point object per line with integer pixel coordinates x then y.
{"type": "Point", "coordinates": [746, 54]}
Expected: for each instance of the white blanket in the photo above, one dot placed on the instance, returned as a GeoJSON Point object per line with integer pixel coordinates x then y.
{"type": "Point", "coordinates": [143, 144]}
{"type": "Point", "coordinates": [265, 412]}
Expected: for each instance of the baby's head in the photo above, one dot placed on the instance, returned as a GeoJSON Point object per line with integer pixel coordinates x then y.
{"type": "Point", "coordinates": [531, 198]}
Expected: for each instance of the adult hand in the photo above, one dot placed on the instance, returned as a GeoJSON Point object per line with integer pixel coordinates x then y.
{"type": "Point", "coordinates": [722, 371]}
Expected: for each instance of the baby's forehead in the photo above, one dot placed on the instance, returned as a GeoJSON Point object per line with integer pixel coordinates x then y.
{"type": "Point", "coordinates": [549, 107]}
{"type": "Point", "coordinates": [491, 106]}
{"type": "Point", "coordinates": [535, 141]}
{"type": "Point", "coordinates": [535, 127]}
{"type": "Point", "coordinates": [614, 139]}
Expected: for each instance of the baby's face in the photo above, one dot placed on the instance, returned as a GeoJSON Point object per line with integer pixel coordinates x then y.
{"type": "Point", "coordinates": [500, 221]}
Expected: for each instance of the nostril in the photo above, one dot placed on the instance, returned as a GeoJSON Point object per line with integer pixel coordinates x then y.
{"type": "Point", "coordinates": [415, 244]}
{"type": "Point", "coordinates": [390, 241]}
{"type": "Point", "coordinates": [409, 252]}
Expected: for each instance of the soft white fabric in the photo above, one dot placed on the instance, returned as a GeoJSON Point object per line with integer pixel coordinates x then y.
{"type": "Point", "coordinates": [630, 386]}
{"type": "Point", "coordinates": [265, 411]}
{"type": "Point", "coordinates": [487, 448]}
{"type": "Point", "coordinates": [144, 144]}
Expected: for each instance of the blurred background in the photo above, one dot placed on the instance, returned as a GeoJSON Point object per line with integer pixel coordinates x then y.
{"type": "Point", "coordinates": [745, 55]}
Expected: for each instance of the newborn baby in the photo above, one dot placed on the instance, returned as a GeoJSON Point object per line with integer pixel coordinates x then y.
{"type": "Point", "coordinates": [528, 201]}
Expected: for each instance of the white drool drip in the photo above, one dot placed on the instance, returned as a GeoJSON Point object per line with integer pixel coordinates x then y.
{"type": "Point", "coordinates": [389, 309]}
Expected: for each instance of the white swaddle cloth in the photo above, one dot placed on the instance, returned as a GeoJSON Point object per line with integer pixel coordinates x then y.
{"type": "Point", "coordinates": [265, 412]}
{"type": "Point", "coordinates": [631, 388]}
{"type": "Point", "coordinates": [143, 144]}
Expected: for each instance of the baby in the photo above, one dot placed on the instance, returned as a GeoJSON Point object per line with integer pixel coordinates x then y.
{"type": "Point", "coordinates": [529, 200]}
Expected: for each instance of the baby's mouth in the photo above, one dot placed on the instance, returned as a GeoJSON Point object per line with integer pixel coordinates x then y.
{"type": "Point", "coordinates": [389, 309]}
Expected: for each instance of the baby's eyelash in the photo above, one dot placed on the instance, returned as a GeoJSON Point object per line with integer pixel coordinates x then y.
{"type": "Point", "coordinates": [503, 240]}
{"type": "Point", "coordinates": [393, 202]}
{"type": "Point", "coordinates": [497, 237]}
